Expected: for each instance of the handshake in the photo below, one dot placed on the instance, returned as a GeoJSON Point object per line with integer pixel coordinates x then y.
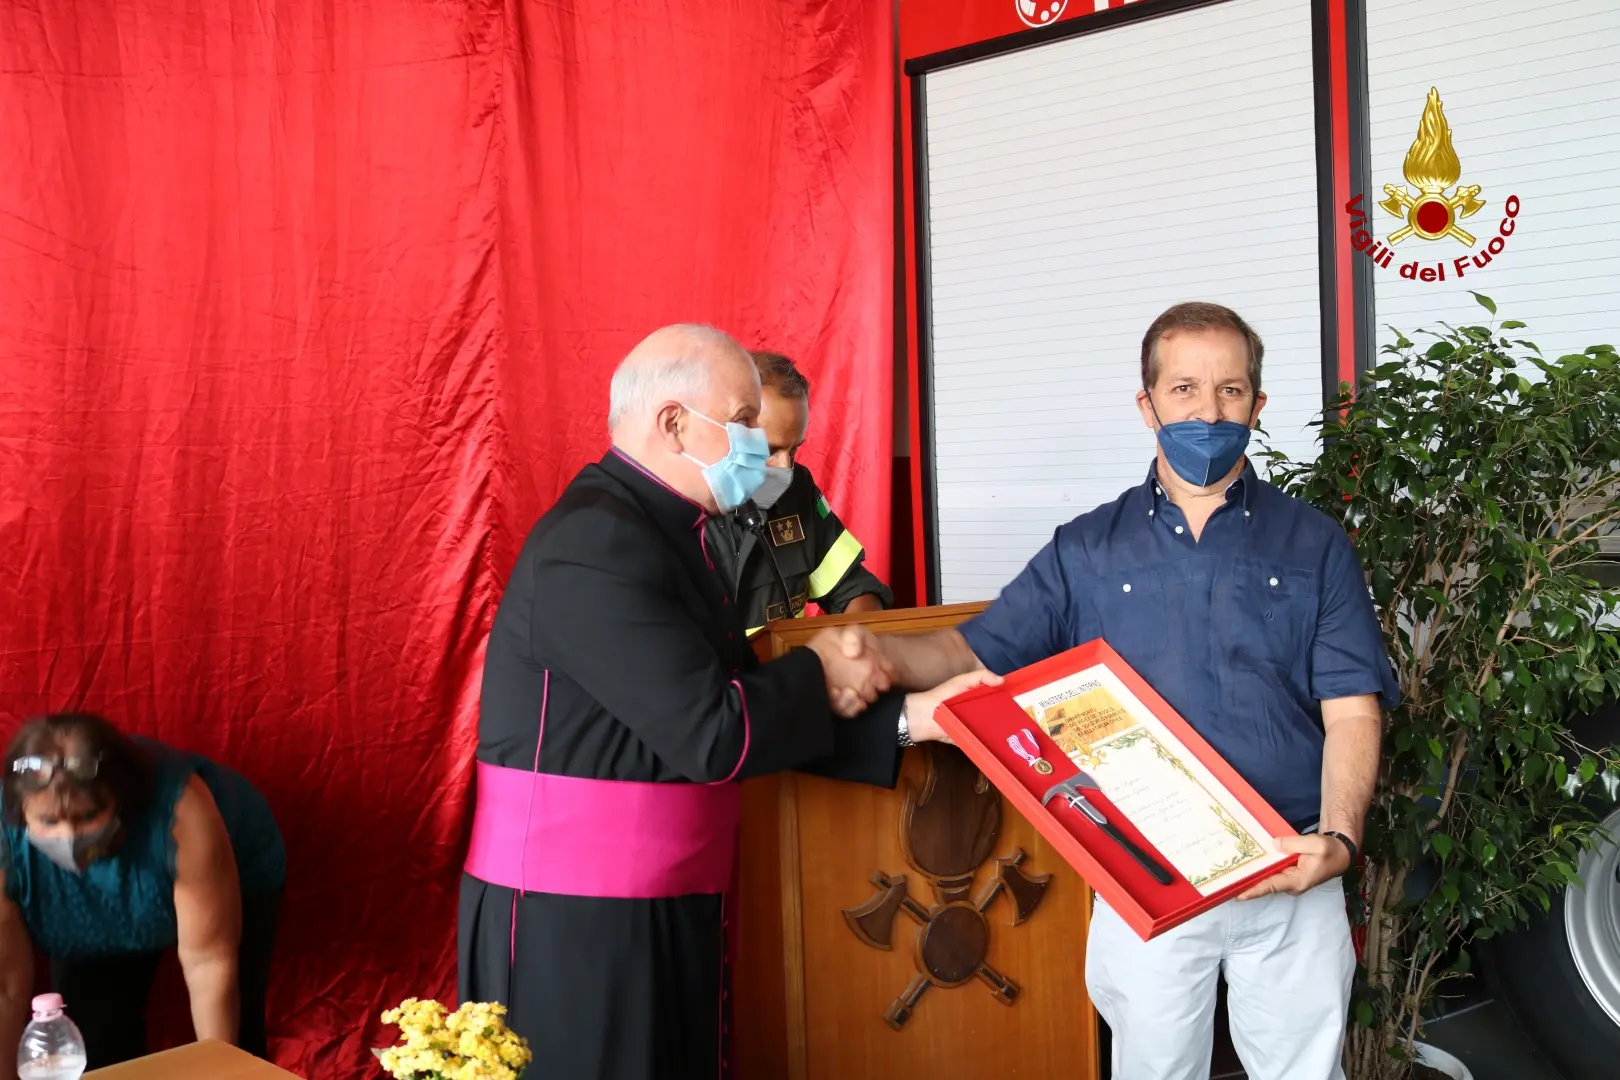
{"type": "Point", "coordinates": [859, 668]}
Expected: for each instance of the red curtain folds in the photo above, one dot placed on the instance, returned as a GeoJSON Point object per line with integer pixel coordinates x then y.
{"type": "Point", "coordinates": [306, 313]}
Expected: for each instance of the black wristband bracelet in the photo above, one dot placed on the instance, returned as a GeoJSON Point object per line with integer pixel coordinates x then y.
{"type": "Point", "coordinates": [1350, 845]}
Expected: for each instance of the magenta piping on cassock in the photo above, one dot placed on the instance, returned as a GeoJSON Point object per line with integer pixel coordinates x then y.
{"type": "Point", "coordinates": [649, 474]}
{"type": "Point", "coordinates": [539, 737]}
{"type": "Point", "coordinates": [703, 540]}
{"type": "Point", "coordinates": [602, 838]}
{"type": "Point", "coordinates": [703, 514]}
{"type": "Point", "coordinates": [724, 963]}
{"type": "Point", "coordinates": [748, 734]}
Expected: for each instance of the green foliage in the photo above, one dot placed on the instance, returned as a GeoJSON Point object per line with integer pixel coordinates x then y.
{"type": "Point", "coordinates": [1477, 480]}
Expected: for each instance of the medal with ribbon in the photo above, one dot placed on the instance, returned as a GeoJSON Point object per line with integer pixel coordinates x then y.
{"type": "Point", "coordinates": [1032, 757]}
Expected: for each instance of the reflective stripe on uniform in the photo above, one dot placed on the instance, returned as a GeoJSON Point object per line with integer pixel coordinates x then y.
{"type": "Point", "coordinates": [752, 630]}
{"type": "Point", "coordinates": [840, 557]}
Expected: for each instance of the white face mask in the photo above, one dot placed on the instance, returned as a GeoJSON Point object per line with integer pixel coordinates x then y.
{"type": "Point", "coordinates": [74, 853]}
{"type": "Point", "coordinates": [777, 480]}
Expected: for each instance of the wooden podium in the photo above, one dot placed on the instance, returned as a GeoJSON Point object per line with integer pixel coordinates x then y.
{"type": "Point", "coordinates": [845, 971]}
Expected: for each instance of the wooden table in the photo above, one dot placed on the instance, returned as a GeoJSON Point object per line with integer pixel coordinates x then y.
{"type": "Point", "coordinates": [211, 1060]}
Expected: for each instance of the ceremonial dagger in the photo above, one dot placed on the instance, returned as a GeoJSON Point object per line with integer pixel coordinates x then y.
{"type": "Point", "coordinates": [1070, 790]}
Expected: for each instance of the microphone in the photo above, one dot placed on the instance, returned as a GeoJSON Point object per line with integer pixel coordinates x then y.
{"type": "Point", "coordinates": [754, 520]}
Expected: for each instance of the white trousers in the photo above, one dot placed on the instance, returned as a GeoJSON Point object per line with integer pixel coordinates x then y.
{"type": "Point", "coordinates": [1288, 963]}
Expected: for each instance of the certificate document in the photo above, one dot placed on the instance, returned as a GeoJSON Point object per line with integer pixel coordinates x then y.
{"type": "Point", "coordinates": [1151, 778]}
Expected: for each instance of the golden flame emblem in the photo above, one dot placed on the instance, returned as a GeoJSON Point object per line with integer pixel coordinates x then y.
{"type": "Point", "coordinates": [1432, 167]}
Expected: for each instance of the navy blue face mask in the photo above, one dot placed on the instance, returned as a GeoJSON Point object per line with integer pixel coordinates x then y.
{"type": "Point", "coordinates": [1201, 453]}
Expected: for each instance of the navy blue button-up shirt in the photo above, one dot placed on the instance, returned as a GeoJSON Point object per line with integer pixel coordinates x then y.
{"type": "Point", "coordinates": [1244, 631]}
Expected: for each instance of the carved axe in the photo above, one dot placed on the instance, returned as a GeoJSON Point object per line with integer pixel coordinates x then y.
{"type": "Point", "coordinates": [1070, 790]}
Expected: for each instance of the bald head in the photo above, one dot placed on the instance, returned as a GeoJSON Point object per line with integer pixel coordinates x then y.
{"type": "Point", "coordinates": [670, 375]}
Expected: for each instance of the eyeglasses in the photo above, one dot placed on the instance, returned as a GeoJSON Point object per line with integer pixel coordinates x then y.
{"type": "Point", "coordinates": [37, 771]}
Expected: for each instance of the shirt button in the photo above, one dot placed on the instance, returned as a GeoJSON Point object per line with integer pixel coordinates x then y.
{"type": "Point", "coordinates": [1179, 530]}
{"type": "Point", "coordinates": [1245, 513]}
{"type": "Point", "coordinates": [1127, 586]}
{"type": "Point", "coordinates": [1150, 513]}
{"type": "Point", "coordinates": [1273, 583]}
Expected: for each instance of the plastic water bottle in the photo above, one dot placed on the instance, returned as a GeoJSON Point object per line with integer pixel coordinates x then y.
{"type": "Point", "coordinates": [52, 1048]}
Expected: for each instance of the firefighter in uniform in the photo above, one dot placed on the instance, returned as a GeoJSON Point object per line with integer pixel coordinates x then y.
{"type": "Point", "coordinates": [786, 544]}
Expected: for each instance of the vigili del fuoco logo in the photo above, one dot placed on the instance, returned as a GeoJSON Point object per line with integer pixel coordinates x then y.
{"type": "Point", "coordinates": [1431, 214]}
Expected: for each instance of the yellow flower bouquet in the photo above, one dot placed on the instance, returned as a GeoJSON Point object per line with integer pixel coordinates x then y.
{"type": "Point", "coordinates": [472, 1043]}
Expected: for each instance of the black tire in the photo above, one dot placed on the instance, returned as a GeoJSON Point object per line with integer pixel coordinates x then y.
{"type": "Point", "coordinates": [1533, 972]}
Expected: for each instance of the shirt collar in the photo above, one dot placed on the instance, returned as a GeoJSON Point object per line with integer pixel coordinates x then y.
{"type": "Point", "coordinates": [1240, 491]}
{"type": "Point", "coordinates": [662, 501]}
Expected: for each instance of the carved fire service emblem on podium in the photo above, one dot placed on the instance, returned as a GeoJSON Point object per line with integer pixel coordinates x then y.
{"type": "Point", "coordinates": [947, 831]}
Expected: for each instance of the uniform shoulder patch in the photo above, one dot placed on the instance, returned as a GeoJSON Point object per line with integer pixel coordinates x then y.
{"type": "Point", "coordinates": [821, 505]}
{"type": "Point", "coordinates": [786, 530]}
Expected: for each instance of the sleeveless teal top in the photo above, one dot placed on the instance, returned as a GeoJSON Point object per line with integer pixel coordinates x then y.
{"type": "Point", "coordinates": [125, 903]}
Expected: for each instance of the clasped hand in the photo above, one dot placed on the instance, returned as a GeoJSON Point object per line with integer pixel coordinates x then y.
{"type": "Point", "coordinates": [856, 668]}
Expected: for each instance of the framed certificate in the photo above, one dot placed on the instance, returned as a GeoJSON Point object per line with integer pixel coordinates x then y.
{"type": "Point", "coordinates": [1133, 798]}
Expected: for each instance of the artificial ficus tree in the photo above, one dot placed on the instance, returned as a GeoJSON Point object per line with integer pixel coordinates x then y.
{"type": "Point", "coordinates": [1478, 481]}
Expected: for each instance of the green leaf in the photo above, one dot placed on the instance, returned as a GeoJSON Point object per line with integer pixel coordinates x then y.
{"type": "Point", "coordinates": [1383, 586]}
{"type": "Point", "coordinates": [1461, 468]}
{"type": "Point", "coordinates": [1485, 302]}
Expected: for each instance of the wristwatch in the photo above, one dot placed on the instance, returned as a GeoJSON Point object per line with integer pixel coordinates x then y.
{"type": "Point", "coordinates": [905, 728]}
{"type": "Point", "coordinates": [1350, 845]}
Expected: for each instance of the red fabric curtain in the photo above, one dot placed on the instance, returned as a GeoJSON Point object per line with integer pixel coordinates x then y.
{"type": "Point", "coordinates": [307, 311]}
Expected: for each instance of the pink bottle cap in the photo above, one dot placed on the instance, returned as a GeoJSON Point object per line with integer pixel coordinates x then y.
{"type": "Point", "coordinates": [47, 1006]}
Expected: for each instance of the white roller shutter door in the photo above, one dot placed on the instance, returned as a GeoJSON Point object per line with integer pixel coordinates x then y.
{"type": "Point", "coordinates": [1074, 191]}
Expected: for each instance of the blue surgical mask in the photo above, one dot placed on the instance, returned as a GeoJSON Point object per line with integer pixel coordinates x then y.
{"type": "Point", "coordinates": [1201, 453]}
{"type": "Point", "coordinates": [739, 474]}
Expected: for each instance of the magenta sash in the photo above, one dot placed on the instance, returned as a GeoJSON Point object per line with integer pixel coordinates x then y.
{"type": "Point", "coordinates": [536, 832]}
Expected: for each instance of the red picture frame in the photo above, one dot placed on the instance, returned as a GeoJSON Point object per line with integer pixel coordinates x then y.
{"type": "Point", "coordinates": [980, 721]}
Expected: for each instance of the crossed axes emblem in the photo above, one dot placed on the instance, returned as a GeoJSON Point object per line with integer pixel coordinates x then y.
{"type": "Point", "coordinates": [948, 831]}
{"type": "Point", "coordinates": [1432, 214]}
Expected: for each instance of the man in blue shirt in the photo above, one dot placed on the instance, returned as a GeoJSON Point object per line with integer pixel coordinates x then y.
{"type": "Point", "coordinates": [1248, 611]}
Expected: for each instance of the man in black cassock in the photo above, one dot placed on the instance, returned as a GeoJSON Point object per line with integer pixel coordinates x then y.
{"type": "Point", "coordinates": [621, 704]}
